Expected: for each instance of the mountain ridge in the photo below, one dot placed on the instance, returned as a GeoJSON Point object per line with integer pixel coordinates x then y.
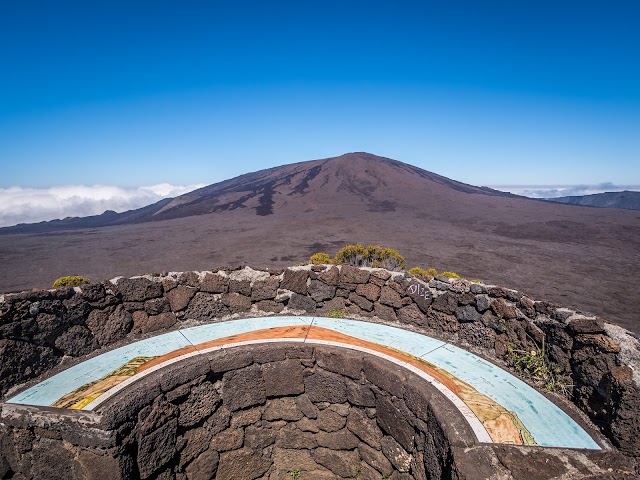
{"type": "Point", "coordinates": [627, 199]}
{"type": "Point", "coordinates": [261, 187]}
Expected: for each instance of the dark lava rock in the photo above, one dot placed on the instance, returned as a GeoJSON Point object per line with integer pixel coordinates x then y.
{"type": "Point", "coordinates": [205, 306]}
{"type": "Point", "coordinates": [295, 280]}
{"type": "Point", "coordinates": [138, 289]}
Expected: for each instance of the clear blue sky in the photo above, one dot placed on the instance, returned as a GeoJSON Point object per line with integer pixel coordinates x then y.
{"type": "Point", "coordinates": [141, 92]}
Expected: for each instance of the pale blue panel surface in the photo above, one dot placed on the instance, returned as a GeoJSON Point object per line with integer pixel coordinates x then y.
{"type": "Point", "coordinates": [548, 424]}
{"type": "Point", "coordinates": [404, 340]}
{"type": "Point", "coordinates": [49, 391]}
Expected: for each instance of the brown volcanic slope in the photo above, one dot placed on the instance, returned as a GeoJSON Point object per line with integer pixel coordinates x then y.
{"type": "Point", "coordinates": [582, 257]}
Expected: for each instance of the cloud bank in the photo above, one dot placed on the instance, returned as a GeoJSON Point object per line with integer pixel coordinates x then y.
{"type": "Point", "coordinates": [554, 191]}
{"type": "Point", "coordinates": [29, 205]}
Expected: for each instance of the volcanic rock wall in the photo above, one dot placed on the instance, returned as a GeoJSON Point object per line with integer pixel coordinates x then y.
{"type": "Point", "coordinates": [600, 362]}
{"type": "Point", "coordinates": [273, 412]}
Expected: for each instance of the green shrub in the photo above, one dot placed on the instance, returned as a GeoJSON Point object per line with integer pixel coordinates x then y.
{"type": "Point", "coordinates": [383, 257]}
{"type": "Point", "coordinates": [370, 256]}
{"type": "Point", "coordinates": [337, 313]}
{"type": "Point", "coordinates": [70, 281]}
{"type": "Point", "coordinates": [450, 275]}
{"type": "Point", "coordinates": [295, 473]}
{"type": "Point", "coordinates": [320, 258]}
{"type": "Point", "coordinates": [351, 255]}
{"type": "Point", "coordinates": [418, 272]}
{"type": "Point", "coordinates": [432, 272]}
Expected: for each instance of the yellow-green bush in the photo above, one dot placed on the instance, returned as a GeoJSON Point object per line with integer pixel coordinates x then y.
{"type": "Point", "coordinates": [351, 255]}
{"type": "Point", "coordinates": [320, 258]}
{"type": "Point", "coordinates": [432, 272]}
{"type": "Point", "coordinates": [418, 272]}
{"type": "Point", "coordinates": [450, 275]}
{"type": "Point", "coordinates": [370, 256]}
{"type": "Point", "coordinates": [70, 281]}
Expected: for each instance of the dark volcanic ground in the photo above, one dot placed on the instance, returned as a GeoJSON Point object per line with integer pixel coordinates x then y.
{"type": "Point", "coordinates": [581, 257]}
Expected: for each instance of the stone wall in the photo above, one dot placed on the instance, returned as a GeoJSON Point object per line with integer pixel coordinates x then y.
{"type": "Point", "coordinates": [599, 361]}
{"type": "Point", "coordinates": [268, 411]}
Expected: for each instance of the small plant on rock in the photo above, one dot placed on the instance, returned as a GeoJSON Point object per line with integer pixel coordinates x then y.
{"type": "Point", "coordinates": [534, 365]}
{"type": "Point", "coordinates": [337, 313]}
{"type": "Point", "coordinates": [70, 281]}
{"type": "Point", "coordinates": [295, 473]}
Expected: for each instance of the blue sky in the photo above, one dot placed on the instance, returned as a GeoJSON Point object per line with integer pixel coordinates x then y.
{"type": "Point", "coordinates": [147, 92]}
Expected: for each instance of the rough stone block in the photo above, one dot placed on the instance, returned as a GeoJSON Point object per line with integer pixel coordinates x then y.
{"type": "Point", "coordinates": [295, 280]}
{"type": "Point", "coordinates": [291, 437]}
{"type": "Point", "coordinates": [411, 314]}
{"type": "Point", "coordinates": [343, 362]}
{"type": "Point", "coordinates": [360, 395]}
{"type": "Point", "coordinates": [265, 289]}
{"type": "Point", "coordinates": [323, 386]}
{"type": "Point", "coordinates": [394, 423]}
{"type": "Point", "coordinates": [283, 378]}
{"type": "Point", "coordinates": [205, 307]}
{"type": "Point", "coordinates": [586, 325]}
{"type": "Point", "coordinates": [243, 388]}
{"type": "Point", "coordinates": [201, 403]}
{"type": "Point", "coordinates": [156, 448]}
{"type": "Point", "coordinates": [214, 283]}
{"type": "Point", "coordinates": [390, 297]}
{"type": "Point", "coordinates": [396, 454]}
{"type": "Point", "coordinates": [351, 274]}
{"type": "Point", "coordinates": [301, 302]}
{"type": "Point", "coordinates": [236, 302]}
{"type": "Point", "coordinates": [307, 407]}
{"type": "Point", "coordinates": [204, 467]}
{"type": "Point", "coordinates": [365, 428]}
{"type": "Point", "coordinates": [467, 314]}
{"type": "Point", "coordinates": [331, 276]}
{"type": "Point", "coordinates": [231, 359]}
{"type": "Point", "coordinates": [244, 418]}
{"type": "Point", "coordinates": [384, 312]}
{"type": "Point", "coordinates": [230, 439]}
{"type": "Point", "coordinates": [241, 286]}
{"type": "Point", "coordinates": [269, 306]}
{"type": "Point", "coordinates": [244, 463]}
{"type": "Point", "coordinates": [330, 421]}
{"type": "Point", "coordinates": [342, 463]}
{"type": "Point", "coordinates": [180, 297]}
{"type": "Point", "coordinates": [361, 302]}
{"type": "Point", "coordinates": [368, 290]}
{"type": "Point", "coordinates": [138, 289]}
{"type": "Point", "coordinates": [446, 303]}
{"type": "Point", "coordinates": [376, 459]}
{"type": "Point", "coordinates": [320, 291]}
{"type": "Point", "coordinates": [259, 437]}
{"type": "Point", "coordinates": [110, 326]}
{"type": "Point", "coordinates": [340, 440]}
{"type": "Point", "coordinates": [385, 375]}
{"type": "Point", "coordinates": [282, 409]}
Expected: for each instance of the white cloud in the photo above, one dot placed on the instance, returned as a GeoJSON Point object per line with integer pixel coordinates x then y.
{"type": "Point", "coordinates": [28, 205]}
{"type": "Point", "coordinates": [554, 191]}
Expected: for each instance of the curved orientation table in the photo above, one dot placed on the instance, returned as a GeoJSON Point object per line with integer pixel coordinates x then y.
{"type": "Point", "coordinates": [499, 407]}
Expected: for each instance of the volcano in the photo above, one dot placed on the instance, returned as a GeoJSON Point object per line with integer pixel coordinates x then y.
{"type": "Point", "coordinates": [581, 257]}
